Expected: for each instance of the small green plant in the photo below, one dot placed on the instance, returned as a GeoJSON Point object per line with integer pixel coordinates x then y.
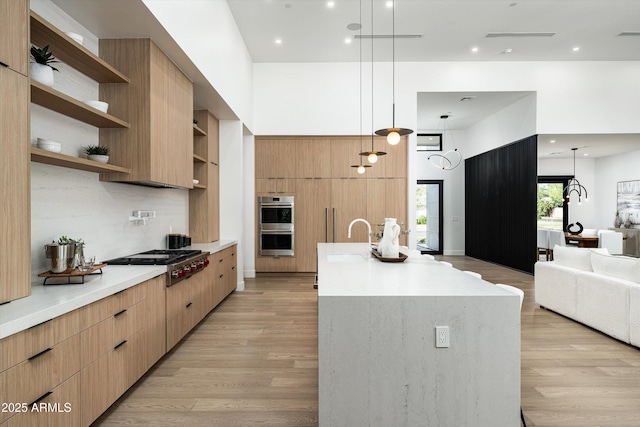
{"type": "Point", "coordinates": [43, 56]}
{"type": "Point", "coordinates": [422, 219]}
{"type": "Point", "coordinates": [96, 149]}
{"type": "Point", "coordinates": [66, 240]}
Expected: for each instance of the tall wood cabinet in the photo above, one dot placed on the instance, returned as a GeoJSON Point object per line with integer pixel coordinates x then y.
{"type": "Point", "coordinates": [158, 102]}
{"type": "Point", "coordinates": [204, 199]}
{"type": "Point", "coordinates": [15, 231]}
{"type": "Point", "coordinates": [328, 192]}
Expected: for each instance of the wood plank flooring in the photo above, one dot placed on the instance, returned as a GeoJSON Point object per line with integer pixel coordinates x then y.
{"type": "Point", "coordinates": [253, 362]}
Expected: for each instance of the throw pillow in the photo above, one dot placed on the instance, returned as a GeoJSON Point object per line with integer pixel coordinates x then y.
{"type": "Point", "coordinates": [620, 267]}
{"type": "Point", "coordinates": [568, 256]}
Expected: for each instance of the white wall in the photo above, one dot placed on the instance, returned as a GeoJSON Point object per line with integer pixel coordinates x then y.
{"type": "Point", "coordinates": [75, 203]}
{"type": "Point", "coordinates": [608, 172]}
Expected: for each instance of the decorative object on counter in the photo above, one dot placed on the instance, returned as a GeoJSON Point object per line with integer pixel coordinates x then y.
{"type": "Point", "coordinates": [389, 247]}
{"type": "Point", "coordinates": [400, 258]}
{"type": "Point", "coordinates": [48, 145]}
{"type": "Point", "coordinates": [573, 232]}
{"type": "Point", "coordinates": [617, 222]}
{"type": "Point", "coordinates": [452, 158]}
{"type": "Point", "coordinates": [73, 273]}
{"type": "Point", "coordinates": [41, 69]}
{"type": "Point", "coordinates": [76, 37]}
{"type": "Point", "coordinates": [378, 235]}
{"type": "Point", "coordinates": [628, 223]}
{"type": "Point", "coordinates": [98, 105]}
{"type": "Point", "coordinates": [86, 263]}
{"type": "Point", "coordinates": [97, 153]}
{"type": "Point", "coordinates": [59, 257]}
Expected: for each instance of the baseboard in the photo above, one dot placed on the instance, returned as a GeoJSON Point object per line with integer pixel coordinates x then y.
{"type": "Point", "coordinates": [454, 253]}
{"type": "Point", "coordinates": [250, 274]}
{"type": "Point", "coordinates": [240, 286]}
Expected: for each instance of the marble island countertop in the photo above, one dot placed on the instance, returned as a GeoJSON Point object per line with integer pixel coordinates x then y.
{"type": "Point", "coordinates": [349, 269]}
{"type": "Point", "coordinates": [52, 300]}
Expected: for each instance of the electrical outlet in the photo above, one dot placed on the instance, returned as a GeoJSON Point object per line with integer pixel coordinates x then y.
{"type": "Point", "coordinates": [442, 336]}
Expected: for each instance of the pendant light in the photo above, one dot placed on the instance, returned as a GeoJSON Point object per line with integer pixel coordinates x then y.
{"type": "Point", "coordinates": [361, 167]}
{"type": "Point", "coordinates": [372, 156]}
{"type": "Point", "coordinates": [574, 185]}
{"type": "Point", "coordinates": [393, 133]}
{"type": "Point", "coordinates": [450, 159]}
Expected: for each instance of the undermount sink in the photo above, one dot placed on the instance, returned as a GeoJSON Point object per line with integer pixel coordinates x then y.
{"type": "Point", "coordinates": [345, 258]}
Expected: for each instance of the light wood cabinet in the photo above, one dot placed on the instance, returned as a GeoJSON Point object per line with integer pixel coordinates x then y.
{"type": "Point", "coordinates": [314, 220]}
{"type": "Point", "coordinates": [204, 199]}
{"type": "Point", "coordinates": [155, 308]}
{"type": "Point", "coordinates": [329, 193]}
{"type": "Point", "coordinates": [276, 158]}
{"type": "Point", "coordinates": [158, 146]}
{"type": "Point", "coordinates": [14, 35]}
{"type": "Point", "coordinates": [15, 227]}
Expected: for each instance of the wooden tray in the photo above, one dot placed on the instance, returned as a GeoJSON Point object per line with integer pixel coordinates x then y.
{"type": "Point", "coordinates": [74, 273]}
{"type": "Point", "coordinates": [377, 254]}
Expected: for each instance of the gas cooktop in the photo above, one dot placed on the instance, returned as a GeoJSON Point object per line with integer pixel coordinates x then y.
{"type": "Point", "coordinates": [156, 257]}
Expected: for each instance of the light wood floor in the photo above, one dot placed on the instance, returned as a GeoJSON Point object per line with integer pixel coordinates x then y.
{"type": "Point", "coordinates": [253, 362]}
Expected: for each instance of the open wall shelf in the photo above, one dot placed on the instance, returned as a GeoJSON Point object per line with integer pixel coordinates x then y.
{"type": "Point", "coordinates": [57, 159]}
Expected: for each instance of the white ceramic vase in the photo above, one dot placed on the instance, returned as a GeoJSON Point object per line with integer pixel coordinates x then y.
{"type": "Point", "coordinates": [41, 73]}
{"type": "Point", "coordinates": [98, 158]}
{"type": "Point", "coordinates": [389, 247]}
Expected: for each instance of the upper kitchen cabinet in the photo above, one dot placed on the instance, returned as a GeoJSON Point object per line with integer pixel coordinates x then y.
{"type": "Point", "coordinates": [276, 158]}
{"type": "Point", "coordinates": [158, 102]}
{"type": "Point", "coordinates": [15, 227]}
{"type": "Point", "coordinates": [14, 35]}
{"type": "Point", "coordinates": [313, 158]}
{"type": "Point", "coordinates": [204, 199]}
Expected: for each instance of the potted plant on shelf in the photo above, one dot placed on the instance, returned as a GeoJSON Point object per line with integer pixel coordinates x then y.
{"type": "Point", "coordinates": [99, 153]}
{"type": "Point", "coordinates": [41, 69]}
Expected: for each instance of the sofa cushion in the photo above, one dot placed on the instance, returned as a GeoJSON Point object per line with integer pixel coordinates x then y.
{"type": "Point", "coordinates": [626, 268]}
{"type": "Point", "coordinates": [579, 258]}
{"type": "Point", "coordinates": [555, 287]}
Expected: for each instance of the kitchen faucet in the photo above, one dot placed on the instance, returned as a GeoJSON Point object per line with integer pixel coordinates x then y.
{"type": "Point", "coordinates": [360, 220]}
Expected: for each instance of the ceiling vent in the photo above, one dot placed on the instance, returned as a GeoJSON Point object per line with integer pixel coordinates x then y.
{"type": "Point", "coordinates": [468, 98]}
{"type": "Point", "coordinates": [520, 34]}
{"type": "Point", "coordinates": [629, 34]}
{"type": "Point", "coordinates": [388, 36]}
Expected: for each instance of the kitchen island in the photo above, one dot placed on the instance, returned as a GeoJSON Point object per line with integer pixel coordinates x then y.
{"type": "Point", "coordinates": [377, 357]}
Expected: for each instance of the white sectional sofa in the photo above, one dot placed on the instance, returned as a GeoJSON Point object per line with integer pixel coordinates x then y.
{"type": "Point", "coordinates": [594, 288]}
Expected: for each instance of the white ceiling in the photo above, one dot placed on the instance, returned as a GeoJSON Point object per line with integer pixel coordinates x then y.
{"type": "Point", "coordinates": [312, 32]}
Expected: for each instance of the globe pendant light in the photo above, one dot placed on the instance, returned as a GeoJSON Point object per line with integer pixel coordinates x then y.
{"type": "Point", "coordinates": [372, 156]}
{"type": "Point", "coordinates": [361, 167]}
{"type": "Point", "coordinates": [450, 159]}
{"type": "Point", "coordinates": [574, 186]}
{"type": "Point", "coordinates": [393, 133]}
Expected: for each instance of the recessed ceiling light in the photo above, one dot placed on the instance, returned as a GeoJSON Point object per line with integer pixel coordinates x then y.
{"type": "Point", "coordinates": [348, 40]}
{"type": "Point", "coordinates": [507, 51]}
{"type": "Point", "coordinates": [330, 4]}
{"type": "Point", "coordinates": [586, 154]}
{"type": "Point", "coordinates": [278, 41]}
{"type": "Point", "coordinates": [474, 49]}
{"type": "Point", "coordinates": [577, 48]}
{"type": "Point", "coordinates": [553, 141]}
{"type": "Point", "coordinates": [390, 4]}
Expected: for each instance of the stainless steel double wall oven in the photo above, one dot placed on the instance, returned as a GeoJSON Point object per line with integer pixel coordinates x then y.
{"type": "Point", "coordinates": [276, 232]}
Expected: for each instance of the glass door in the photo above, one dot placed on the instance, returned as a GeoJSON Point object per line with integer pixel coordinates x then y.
{"type": "Point", "coordinates": [429, 216]}
{"type": "Point", "coordinates": [552, 211]}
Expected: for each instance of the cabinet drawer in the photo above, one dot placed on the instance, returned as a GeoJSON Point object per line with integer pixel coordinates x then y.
{"type": "Point", "coordinates": [40, 374]}
{"type": "Point", "coordinates": [178, 297]}
{"type": "Point", "coordinates": [128, 363]}
{"type": "Point", "coordinates": [19, 347]}
{"type": "Point", "coordinates": [128, 321]}
{"type": "Point", "coordinates": [96, 391]}
{"type": "Point", "coordinates": [60, 408]}
{"type": "Point", "coordinates": [107, 307]}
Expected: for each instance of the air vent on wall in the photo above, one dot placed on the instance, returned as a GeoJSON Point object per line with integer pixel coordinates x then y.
{"type": "Point", "coordinates": [520, 34]}
{"type": "Point", "coordinates": [388, 36]}
{"type": "Point", "coordinates": [629, 34]}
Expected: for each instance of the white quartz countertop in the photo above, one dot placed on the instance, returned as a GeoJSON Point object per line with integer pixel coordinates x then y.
{"type": "Point", "coordinates": [349, 269]}
{"type": "Point", "coordinates": [47, 302]}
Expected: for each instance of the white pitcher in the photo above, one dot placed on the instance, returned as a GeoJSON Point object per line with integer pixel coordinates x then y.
{"type": "Point", "coordinates": [389, 246]}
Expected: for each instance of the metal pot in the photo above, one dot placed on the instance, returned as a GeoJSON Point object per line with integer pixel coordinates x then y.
{"type": "Point", "coordinates": [60, 258]}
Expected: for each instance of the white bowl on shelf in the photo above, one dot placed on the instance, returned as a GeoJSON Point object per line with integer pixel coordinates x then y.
{"type": "Point", "coordinates": [48, 145]}
{"type": "Point", "coordinates": [98, 105]}
{"type": "Point", "coordinates": [76, 37]}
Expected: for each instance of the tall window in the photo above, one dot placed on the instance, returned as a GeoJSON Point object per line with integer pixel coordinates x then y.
{"type": "Point", "coordinates": [429, 216]}
{"type": "Point", "coordinates": [552, 211]}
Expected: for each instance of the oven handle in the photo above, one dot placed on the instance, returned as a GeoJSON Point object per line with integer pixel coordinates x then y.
{"type": "Point", "coordinates": [276, 231]}
{"type": "Point", "coordinates": [276, 205]}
